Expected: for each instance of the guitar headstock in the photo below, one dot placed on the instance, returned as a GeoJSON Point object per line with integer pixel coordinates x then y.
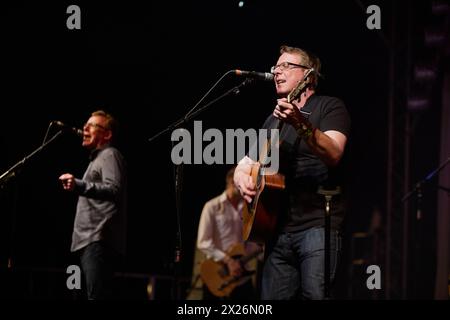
{"type": "Point", "coordinates": [300, 87]}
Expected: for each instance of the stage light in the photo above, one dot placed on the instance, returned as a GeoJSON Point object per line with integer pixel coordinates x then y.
{"type": "Point", "coordinates": [440, 8]}
{"type": "Point", "coordinates": [425, 72]}
{"type": "Point", "coordinates": [418, 104]}
{"type": "Point", "coordinates": [420, 96]}
{"type": "Point", "coordinates": [435, 37]}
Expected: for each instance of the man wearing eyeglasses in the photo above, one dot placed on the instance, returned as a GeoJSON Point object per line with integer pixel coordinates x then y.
{"type": "Point", "coordinates": [99, 233]}
{"type": "Point", "coordinates": [312, 142]}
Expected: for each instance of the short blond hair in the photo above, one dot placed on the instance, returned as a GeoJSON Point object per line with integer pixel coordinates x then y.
{"type": "Point", "coordinates": [308, 59]}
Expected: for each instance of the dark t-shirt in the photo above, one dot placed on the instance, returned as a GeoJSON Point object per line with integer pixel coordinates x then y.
{"type": "Point", "coordinates": [305, 173]}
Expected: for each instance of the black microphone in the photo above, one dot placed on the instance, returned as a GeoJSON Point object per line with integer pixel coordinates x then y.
{"type": "Point", "coordinates": [265, 76]}
{"type": "Point", "coordinates": [77, 131]}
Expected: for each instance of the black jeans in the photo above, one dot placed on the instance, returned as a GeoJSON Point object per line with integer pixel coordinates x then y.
{"type": "Point", "coordinates": [97, 263]}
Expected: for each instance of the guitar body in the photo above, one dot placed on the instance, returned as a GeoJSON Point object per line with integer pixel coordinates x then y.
{"type": "Point", "coordinates": [216, 276]}
{"type": "Point", "coordinates": [260, 216]}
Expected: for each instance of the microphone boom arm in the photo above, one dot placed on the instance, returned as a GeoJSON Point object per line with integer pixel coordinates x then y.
{"type": "Point", "coordinates": [192, 114]}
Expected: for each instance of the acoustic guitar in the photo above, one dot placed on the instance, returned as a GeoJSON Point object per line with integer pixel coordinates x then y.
{"type": "Point", "coordinates": [216, 275]}
{"type": "Point", "coordinates": [260, 215]}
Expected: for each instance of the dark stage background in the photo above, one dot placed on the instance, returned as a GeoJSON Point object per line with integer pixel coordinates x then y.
{"type": "Point", "coordinates": [148, 65]}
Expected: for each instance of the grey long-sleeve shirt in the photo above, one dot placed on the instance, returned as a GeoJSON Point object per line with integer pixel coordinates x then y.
{"type": "Point", "coordinates": [101, 208]}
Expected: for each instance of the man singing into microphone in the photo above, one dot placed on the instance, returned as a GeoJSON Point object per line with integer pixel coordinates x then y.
{"type": "Point", "coordinates": [99, 234]}
{"type": "Point", "coordinates": [312, 142]}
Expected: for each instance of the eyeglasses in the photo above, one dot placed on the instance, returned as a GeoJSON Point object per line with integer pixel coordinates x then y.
{"type": "Point", "coordinates": [94, 125]}
{"type": "Point", "coordinates": [287, 65]}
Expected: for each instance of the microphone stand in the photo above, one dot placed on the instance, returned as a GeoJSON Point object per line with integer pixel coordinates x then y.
{"type": "Point", "coordinates": [178, 172]}
{"type": "Point", "coordinates": [418, 185]}
{"type": "Point", "coordinates": [7, 176]}
{"type": "Point", "coordinates": [11, 172]}
{"type": "Point", "coordinates": [417, 190]}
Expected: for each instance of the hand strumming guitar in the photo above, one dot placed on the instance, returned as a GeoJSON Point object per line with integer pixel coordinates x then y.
{"type": "Point", "coordinates": [243, 180]}
{"type": "Point", "coordinates": [234, 266]}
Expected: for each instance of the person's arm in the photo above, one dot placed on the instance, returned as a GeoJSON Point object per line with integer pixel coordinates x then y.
{"type": "Point", "coordinates": [111, 185]}
{"type": "Point", "coordinates": [205, 242]}
{"type": "Point", "coordinates": [243, 180]}
{"type": "Point", "coordinates": [328, 146]}
{"type": "Point", "coordinates": [205, 236]}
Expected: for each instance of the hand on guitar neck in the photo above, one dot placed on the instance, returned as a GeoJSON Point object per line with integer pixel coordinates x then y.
{"type": "Point", "coordinates": [290, 113]}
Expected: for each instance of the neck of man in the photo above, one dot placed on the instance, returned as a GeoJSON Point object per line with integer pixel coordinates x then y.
{"type": "Point", "coordinates": [304, 97]}
{"type": "Point", "coordinates": [102, 145]}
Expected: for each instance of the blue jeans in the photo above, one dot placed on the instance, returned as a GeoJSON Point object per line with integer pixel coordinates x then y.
{"type": "Point", "coordinates": [97, 264]}
{"type": "Point", "coordinates": [294, 269]}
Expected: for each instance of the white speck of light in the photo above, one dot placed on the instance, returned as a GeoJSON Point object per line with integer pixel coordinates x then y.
{"type": "Point", "coordinates": [241, 4]}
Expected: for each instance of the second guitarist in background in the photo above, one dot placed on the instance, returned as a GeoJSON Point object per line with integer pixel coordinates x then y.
{"type": "Point", "coordinates": [314, 135]}
{"type": "Point", "coordinates": [219, 230]}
